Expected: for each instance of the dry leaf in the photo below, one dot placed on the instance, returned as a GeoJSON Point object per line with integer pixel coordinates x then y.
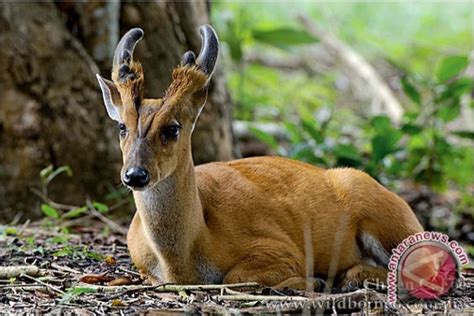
{"type": "Point", "coordinates": [117, 302]}
{"type": "Point", "coordinates": [95, 278]}
{"type": "Point", "coordinates": [110, 260]}
{"type": "Point", "coordinates": [120, 281]}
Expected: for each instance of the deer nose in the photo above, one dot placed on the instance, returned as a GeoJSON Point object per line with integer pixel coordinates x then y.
{"type": "Point", "coordinates": [136, 177]}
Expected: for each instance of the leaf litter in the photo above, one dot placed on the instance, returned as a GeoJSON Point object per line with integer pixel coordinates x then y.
{"type": "Point", "coordinates": [86, 272]}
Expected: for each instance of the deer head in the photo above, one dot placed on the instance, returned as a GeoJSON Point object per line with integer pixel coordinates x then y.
{"type": "Point", "coordinates": [155, 134]}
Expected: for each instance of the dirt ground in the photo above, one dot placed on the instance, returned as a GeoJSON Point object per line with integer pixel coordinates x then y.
{"type": "Point", "coordinates": [87, 271]}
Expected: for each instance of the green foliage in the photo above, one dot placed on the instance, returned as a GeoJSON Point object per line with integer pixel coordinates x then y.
{"type": "Point", "coordinates": [9, 231]}
{"type": "Point", "coordinates": [450, 67]}
{"type": "Point", "coordinates": [75, 212]}
{"type": "Point", "coordinates": [422, 148]}
{"type": "Point", "coordinates": [427, 52]}
{"type": "Point", "coordinates": [283, 37]}
{"type": "Point", "coordinates": [418, 149]}
{"type": "Point", "coordinates": [410, 90]}
{"type": "Point", "coordinates": [81, 252]}
{"type": "Point", "coordinates": [430, 150]}
{"type": "Point", "coordinates": [49, 173]}
{"type": "Point", "coordinates": [57, 214]}
{"type": "Point", "coordinates": [101, 207]}
{"type": "Point", "coordinates": [74, 292]}
{"type": "Point", "coordinates": [265, 137]}
{"type": "Point", "coordinates": [49, 211]}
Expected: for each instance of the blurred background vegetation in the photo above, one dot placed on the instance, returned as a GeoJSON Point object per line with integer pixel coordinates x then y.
{"type": "Point", "coordinates": [303, 102]}
{"type": "Point", "coordinates": [382, 87]}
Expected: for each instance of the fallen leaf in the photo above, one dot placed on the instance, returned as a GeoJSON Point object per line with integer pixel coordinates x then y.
{"type": "Point", "coordinates": [117, 302]}
{"type": "Point", "coordinates": [95, 278]}
{"type": "Point", "coordinates": [120, 281]}
{"type": "Point", "coordinates": [110, 260]}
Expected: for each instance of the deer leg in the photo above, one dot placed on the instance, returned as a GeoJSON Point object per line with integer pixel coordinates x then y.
{"type": "Point", "coordinates": [299, 283]}
{"type": "Point", "coordinates": [271, 273]}
{"type": "Point", "coordinates": [355, 276]}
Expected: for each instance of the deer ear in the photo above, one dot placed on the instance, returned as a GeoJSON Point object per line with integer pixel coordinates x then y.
{"type": "Point", "coordinates": [111, 97]}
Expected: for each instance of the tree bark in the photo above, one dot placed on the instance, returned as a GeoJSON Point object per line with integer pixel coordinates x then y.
{"type": "Point", "coordinates": [51, 110]}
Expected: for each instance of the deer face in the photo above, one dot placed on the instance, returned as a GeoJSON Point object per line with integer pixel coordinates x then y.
{"type": "Point", "coordinates": [155, 134]}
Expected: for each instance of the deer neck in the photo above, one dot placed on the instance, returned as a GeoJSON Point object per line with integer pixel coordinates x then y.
{"type": "Point", "coordinates": [171, 214]}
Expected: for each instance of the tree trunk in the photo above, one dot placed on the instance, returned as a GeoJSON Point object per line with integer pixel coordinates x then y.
{"type": "Point", "coordinates": [51, 110]}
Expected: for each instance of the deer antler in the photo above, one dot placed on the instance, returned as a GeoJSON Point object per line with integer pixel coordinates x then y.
{"type": "Point", "coordinates": [194, 73]}
{"type": "Point", "coordinates": [207, 58]}
{"type": "Point", "coordinates": [123, 56]}
{"type": "Point", "coordinates": [127, 74]}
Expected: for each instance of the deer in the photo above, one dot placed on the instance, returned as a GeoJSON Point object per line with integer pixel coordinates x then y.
{"type": "Point", "coordinates": [271, 220]}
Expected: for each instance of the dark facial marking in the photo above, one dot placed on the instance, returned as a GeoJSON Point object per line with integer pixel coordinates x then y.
{"type": "Point", "coordinates": [144, 128]}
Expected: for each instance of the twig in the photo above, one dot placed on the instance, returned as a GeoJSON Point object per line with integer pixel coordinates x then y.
{"type": "Point", "coordinates": [65, 269]}
{"type": "Point", "coordinates": [80, 220]}
{"type": "Point", "coordinates": [15, 271]}
{"type": "Point", "coordinates": [24, 226]}
{"type": "Point", "coordinates": [130, 271]}
{"type": "Point", "coordinates": [358, 65]}
{"type": "Point", "coordinates": [113, 225]}
{"type": "Point", "coordinates": [20, 286]}
{"type": "Point", "coordinates": [45, 199]}
{"type": "Point", "coordinates": [251, 297]}
{"type": "Point", "coordinates": [119, 204]}
{"type": "Point", "coordinates": [55, 289]}
{"type": "Point", "coordinates": [229, 291]}
{"type": "Point", "coordinates": [24, 287]}
{"type": "Point", "coordinates": [357, 295]}
{"type": "Point", "coordinates": [166, 287]}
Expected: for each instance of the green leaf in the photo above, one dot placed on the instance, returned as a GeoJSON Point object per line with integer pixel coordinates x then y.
{"type": "Point", "coordinates": [450, 67]}
{"type": "Point", "coordinates": [464, 134]}
{"type": "Point", "coordinates": [384, 144]}
{"type": "Point", "coordinates": [347, 155]}
{"type": "Point", "coordinates": [10, 231]}
{"type": "Point", "coordinates": [45, 172]}
{"type": "Point", "coordinates": [75, 292]}
{"type": "Point", "coordinates": [410, 90]}
{"type": "Point", "coordinates": [100, 207]}
{"type": "Point", "coordinates": [283, 37]}
{"type": "Point", "coordinates": [75, 212]}
{"type": "Point", "coordinates": [449, 112]}
{"type": "Point", "coordinates": [293, 132]}
{"type": "Point", "coordinates": [49, 211]}
{"type": "Point", "coordinates": [381, 123]}
{"type": "Point", "coordinates": [411, 129]}
{"type": "Point", "coordinates": [311, 127]}
{"type": "Point", "coordinates": [306, 153]}
{"type": "Point", "coordinates": [48, 174]}
{"type": "Point", "coordinates": [456, 89]}
{"type": "Point", "coordinates": [264, 137]}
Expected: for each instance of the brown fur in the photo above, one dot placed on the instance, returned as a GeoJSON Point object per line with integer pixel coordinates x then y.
{"type": "Point", "coordinates": [247, 217]}
{"type": "Point", "coordinates": [245, 220]}
{"type": "Point", "coordinates": [186, 81]}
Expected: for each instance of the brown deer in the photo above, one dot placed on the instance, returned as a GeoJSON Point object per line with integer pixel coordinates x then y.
{"type": "Point", "coordinates": [263, 219]}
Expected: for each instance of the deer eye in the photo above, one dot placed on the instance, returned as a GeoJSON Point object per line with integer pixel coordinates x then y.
{"type": "Point", "coordinates": [123, 129]}
{"type": "Point", "coordinates": [170, 132]}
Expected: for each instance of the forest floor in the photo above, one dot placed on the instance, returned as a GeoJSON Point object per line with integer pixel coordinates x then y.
{"type": "Point", "coordinates": [87, 272]}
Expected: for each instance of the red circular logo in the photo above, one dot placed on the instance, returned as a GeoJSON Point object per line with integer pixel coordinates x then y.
{"type": "Point", "coordinates": [427, 270]}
